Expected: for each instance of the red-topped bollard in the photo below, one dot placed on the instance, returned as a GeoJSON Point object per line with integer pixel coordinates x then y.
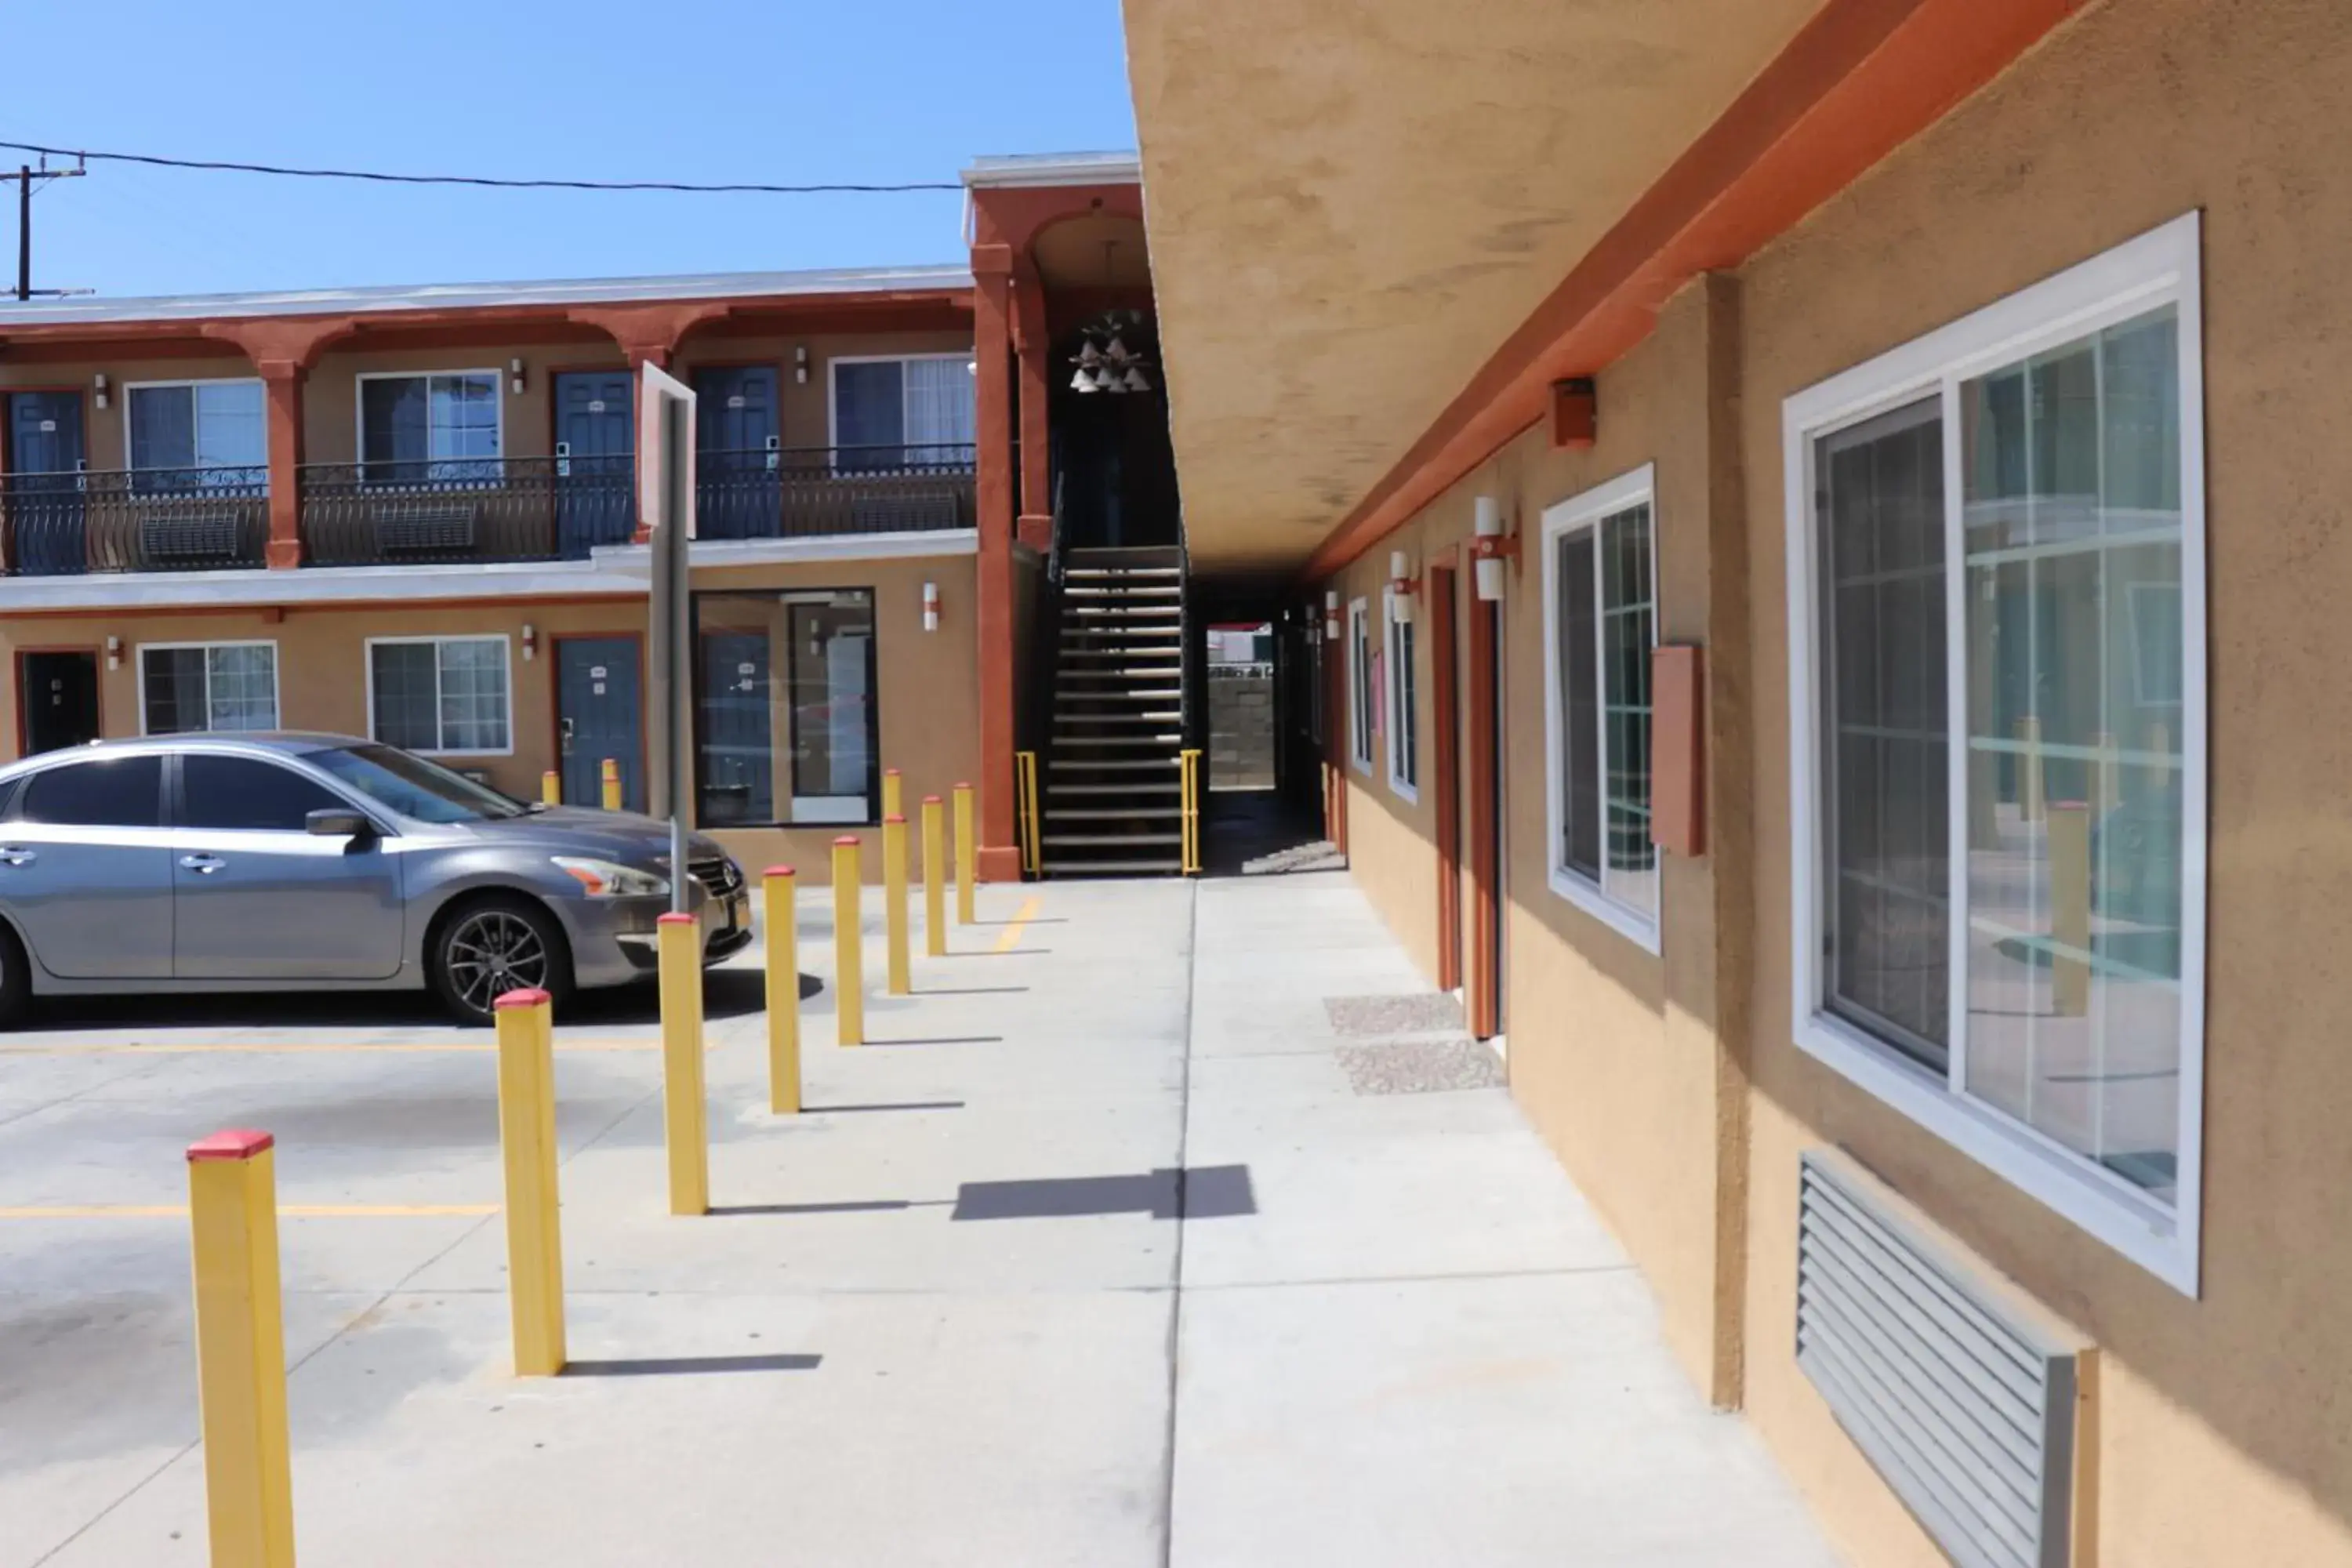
{"type": "Point", "coordinates": [683, 1128]}
{"type": "Point", "coordinates": [848, 949]}
{"type": "Point", "coordinates": [526, 1144]}
{"type": "Point", "coordinates": [778, 913]}
{"type": "Point", "coordinates": [241, 1349]}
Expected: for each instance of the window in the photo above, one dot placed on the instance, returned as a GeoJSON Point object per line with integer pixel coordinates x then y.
{"type": "Point", "coordinates": [1405, 734]}
{"type": "Point", "coordinates": [412, 786]}
{"type": "Point", "coordinates": [1361, 708]}
{"type": "Point", "coordinates": [1996, 571]}
{"type": "Point", "coordinates": [416, 428]}
{"type": "Point", "coordinates": [439, 694]}
{"type": "Point", "coordinates": [115, 792]}
{"type": "Point", "coordinates": [1601, 625]}
{"type": "Point", "coordinates": [195, 434]}
{"type": "Point", "coordinates": [244, 794]}
{"type": "Point", "coordinates": [901, 413]}
{"type": "Point", "coordinates": [785, 722]}
{"type": "Point", "coordinates": [187, 687]}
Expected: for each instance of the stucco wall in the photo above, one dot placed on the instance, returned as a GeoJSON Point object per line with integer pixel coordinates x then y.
{"type": "Point", "coordinates": [2225, 1437]}
{"type": "Point", "coordinates": [928, 688]}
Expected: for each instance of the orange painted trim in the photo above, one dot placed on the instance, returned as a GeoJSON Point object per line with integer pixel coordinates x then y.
{"type": "Point", "coordinates": [1444, 720]}
{"type": "Point", "coordinates": [337, 606]}
{"type": "Point", "coordinates": [1856, 82]}
{"type": "Point", "coordinates": [1482, 990]}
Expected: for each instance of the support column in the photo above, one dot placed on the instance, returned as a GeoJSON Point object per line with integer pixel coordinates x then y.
{"type": "Point", "coordinates": [991, 267]}
{"type": "Point", "coordinates": [1036, 524]}
{"type": "Point", "coordinates": [283, 381]}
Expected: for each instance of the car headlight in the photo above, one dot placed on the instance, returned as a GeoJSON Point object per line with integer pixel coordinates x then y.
{"type": "Point", "coordinates": [608, 879]}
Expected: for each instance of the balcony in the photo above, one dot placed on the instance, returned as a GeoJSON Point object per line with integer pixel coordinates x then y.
{"type": "Point", "coordinates": [146, 520]}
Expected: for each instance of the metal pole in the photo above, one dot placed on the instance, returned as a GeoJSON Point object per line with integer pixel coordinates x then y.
{"type": "Point", "coordinates": [24, 231]}
{"type": "Point", "coordinates": [681, 508]}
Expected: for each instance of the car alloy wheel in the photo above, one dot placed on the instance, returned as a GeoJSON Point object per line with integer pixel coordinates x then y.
{"type": "Point", "coordinates": [492, 951]}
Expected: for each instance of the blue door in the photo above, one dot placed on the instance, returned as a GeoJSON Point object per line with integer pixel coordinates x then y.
{"type": "Point", "coordinates": [598, 710]}
{"type": "Point", "coordinates": [739, 482]}
{"type": "Point", "coordinates": [595, 484]}
{"type": "Point", "coordinates": [45, 482]}
{"type": "Point", "coordinates": [736, 773]}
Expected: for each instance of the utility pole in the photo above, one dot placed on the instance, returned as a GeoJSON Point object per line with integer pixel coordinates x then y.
{"type": "Point", "coordinates": [26, 176]}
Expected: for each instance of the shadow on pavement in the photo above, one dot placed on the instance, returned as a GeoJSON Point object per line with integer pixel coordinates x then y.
{"type": "Point", "coordinates": [730, 992]}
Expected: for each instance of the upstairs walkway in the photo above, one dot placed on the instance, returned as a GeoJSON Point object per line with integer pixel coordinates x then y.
{"type": "Point", "coordinates": [1172, 1223]}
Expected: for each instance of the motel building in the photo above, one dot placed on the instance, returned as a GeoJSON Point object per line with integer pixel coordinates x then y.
{"type": "Point", "coordinates": [1809, 542]}
{"type": "Point", "coordinates": [412, 514]}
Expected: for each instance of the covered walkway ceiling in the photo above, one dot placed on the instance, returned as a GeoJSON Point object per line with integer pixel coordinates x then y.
{"type": "Point", "coordinates": [1352, 206]}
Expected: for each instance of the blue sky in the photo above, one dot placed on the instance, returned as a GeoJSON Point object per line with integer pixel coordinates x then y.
{"type": "Point", "coordinates": [789, 91]}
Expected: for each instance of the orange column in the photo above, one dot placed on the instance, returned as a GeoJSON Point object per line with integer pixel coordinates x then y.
{"type": "Point", "coordinates": [991, 266]}
{"type": "Point", "coordinates": [1036, 525]}
{"type": "Point", "coordinates": [283, 379]}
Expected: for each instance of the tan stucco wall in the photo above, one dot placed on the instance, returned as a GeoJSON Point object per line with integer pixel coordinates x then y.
{"type": "Point", "coordinates": [928, 685]}
{"type": "Point", "coordinates": [2225, 1437]}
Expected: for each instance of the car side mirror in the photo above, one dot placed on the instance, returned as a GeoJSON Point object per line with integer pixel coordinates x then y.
{"type": "Point", "coordinates": [338, 822]}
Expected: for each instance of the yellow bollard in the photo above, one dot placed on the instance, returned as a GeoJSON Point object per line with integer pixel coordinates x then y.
{"type": "Point", "coordinates": [2070, 907]}
{"type": "Point", "coordinates": [893, 794]}
{"type": "Point", "coordinates": [935, 876]}
{"type": "Point", "coordinates": [683, 1127]}
{"type": "Point", "coordinates": [241, 1350]}
{"type": "Point", "coordinates": [609, 772]}
{"type": "Point", "coordinates": [784, 990]}
{"type": "Point", "coordinates": [848, 949]}
{"type": "Point", "coordinates": [527, 1142]}
{"type": "Point", "coordinates": [966, 854]}
{"type": "Point", "coordinates": [893, 901]}
{"type": "Point", "coordinates": [550, 788]}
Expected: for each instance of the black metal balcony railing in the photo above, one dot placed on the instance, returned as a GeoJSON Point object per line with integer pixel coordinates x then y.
{"type": "Point", "coordinates": [142, 520]}
{"type": "Point", "coordinates": [825, 490]}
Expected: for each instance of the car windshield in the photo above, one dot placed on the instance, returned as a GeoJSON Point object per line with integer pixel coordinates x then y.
{"type": "Point", "coordinates": [407, 783]}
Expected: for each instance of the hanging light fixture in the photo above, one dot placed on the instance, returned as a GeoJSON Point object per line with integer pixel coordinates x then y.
{"type": "Point", "coordinates": [1105, 362]}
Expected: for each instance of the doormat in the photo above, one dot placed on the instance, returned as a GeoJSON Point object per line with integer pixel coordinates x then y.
{"type": "Point", "coordinates": [1365, 1018]}
{"type": "Point", "coordinates": [1421, 1067]}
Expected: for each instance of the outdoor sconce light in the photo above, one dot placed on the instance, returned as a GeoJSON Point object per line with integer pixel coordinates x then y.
{"type": "Point", "coordinates": [113, 645]}
{"type": "Point", "coordinates": [1490, 548]}
{"type": "Point", "coordinates": [514, 376]}
{"type": "Point", "coordinates": [1331, 614]}
{"type": "Point", "coordinates": [97, 389]}
{"type": "Point", "coordinates": [930, 606]}
{"type": "Point", "coordinates": [529, 642]}
{"type": "Point", "coordinates": [1402, 584]}
{"type": "Point", "coordinates": [800, 363]}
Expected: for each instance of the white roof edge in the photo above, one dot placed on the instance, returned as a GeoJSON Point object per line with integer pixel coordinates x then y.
{"type": "Point", "coordinates": [1055, 169]}
{"type": "Point", "coordinates": [461, 296]}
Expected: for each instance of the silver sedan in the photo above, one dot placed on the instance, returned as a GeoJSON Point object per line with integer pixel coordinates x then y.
{"type": "Point", "coordinates": [262, 862]}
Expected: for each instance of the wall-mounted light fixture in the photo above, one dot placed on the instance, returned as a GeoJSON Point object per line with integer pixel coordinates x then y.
{"type": "Point", "coordinates": [97, 389]}
{"type": "Point", "coordinates": [800, 363]}
{"type": "Point", "coordinates": [930, 606]}
{"type": "Point", "coordinates": [1490, 548]}
{"type": "Point", "coordinates": [1331, 614]}
{"type": "Point", "coordinates": [514, 376]}
{"type": "Point", "coordinates": [1402, 584]}
{"type": "Point", "coordinates": [113, 650]}
{"type": "Point", "coordinates": [529, 642]}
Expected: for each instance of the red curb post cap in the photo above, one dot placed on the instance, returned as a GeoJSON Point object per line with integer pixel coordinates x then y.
{"type": "Point", "coordinates": [777, 871]}
{"type": "Point", "coordinates": [933, 800]}
{"type": "Point", "coordinates": [963, 783]}
{"type": "Point", "coordinates": [235, 1143]}
{"type": "Point", "coordinates": [848, 839]}
{"type": "Point", "coordinates": [894, 818]}
{"type": "Point", "coordinates": [674, 918]}
{"type": "Point", "coordinates": [522, 996]}
{"type": "Point", "coordinates": [889, 773]}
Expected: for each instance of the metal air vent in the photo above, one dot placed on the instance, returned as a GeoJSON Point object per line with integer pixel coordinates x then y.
{"type": "Point", "coordinates": [1969, 1400]}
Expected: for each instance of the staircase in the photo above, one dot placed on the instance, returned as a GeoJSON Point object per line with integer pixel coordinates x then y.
{"type": "Point", "coordinates": [1113, 798]}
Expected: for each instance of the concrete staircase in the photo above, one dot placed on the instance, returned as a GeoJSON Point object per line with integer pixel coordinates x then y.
{"type": "Point", "coordinates": [1113, 795]}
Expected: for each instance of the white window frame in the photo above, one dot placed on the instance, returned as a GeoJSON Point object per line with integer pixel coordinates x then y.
{"type": "Point", "coordinates": [2157, 268]}
{"type": "Point", "coordinates": [131, 389]}
{"type": "Point", "coordinates": [833, 392]}
{"type": "Point", "coordinates": [1360, 677]}
{"type": "Point", "coordinates": [506, 663]}
{"type": "Point", "coordinates": [277, 698]}
{"type": "Point", "coordinates": [1583, 513]}
{"type": "Point", "coordinates": [359, 459]}
{"type": "Point", "coordinates": [1393, 674]}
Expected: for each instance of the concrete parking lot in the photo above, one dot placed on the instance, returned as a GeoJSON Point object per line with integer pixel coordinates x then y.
{"type": "Point", "coordinates": [1102, 1253]}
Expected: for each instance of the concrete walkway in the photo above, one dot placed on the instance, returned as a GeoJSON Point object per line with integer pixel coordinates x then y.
{"type": "Point", "coordinates": [1123, 1244]}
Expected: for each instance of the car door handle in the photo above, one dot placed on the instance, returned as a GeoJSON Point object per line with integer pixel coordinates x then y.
{"type": "Point", "coordinates": [17, 855]}
{"type": "Point", "coordinates": [202, 865]}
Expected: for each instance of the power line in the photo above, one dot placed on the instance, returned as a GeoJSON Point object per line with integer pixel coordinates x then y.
{"type": "Point", "coordinates": [691, 186]}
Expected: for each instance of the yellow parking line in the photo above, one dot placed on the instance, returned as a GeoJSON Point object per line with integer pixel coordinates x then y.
{"type": "Point", "coordinates": [286, 1211]}
{"type": "Point", "coordinates": [1011, 939]}
{"type": "Point", "coordinates": [307, 1047]}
